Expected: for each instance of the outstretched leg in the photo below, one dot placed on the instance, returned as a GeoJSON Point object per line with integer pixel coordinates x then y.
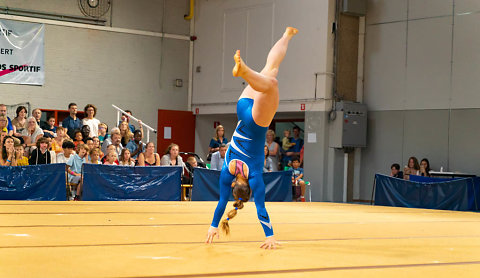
{"type": "Point", "coordinates": [265, 80]}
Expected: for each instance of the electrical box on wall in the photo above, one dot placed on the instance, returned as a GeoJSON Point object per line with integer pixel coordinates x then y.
{"type": "Point", "coordinates": [354, 7]}
{"type": "Point", "coordinates": [349, 129]}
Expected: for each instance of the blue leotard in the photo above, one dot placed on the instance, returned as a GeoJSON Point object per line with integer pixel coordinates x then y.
{"type": "Point", "coordinates": [247, 145]}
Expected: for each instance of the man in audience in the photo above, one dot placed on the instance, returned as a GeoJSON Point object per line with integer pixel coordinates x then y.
{"type": "Point", "coordinates": [294, 151]}
{"type": "Point", "coordinates": [71, 123]}
{"type": "Point", "coordinates": [107, 142]}
{"type": "Point", "coordinates": [136, 146]}
{"type": "Point", "coordinates": [395, 171]}
{"type": "Point", "coordinates": [3, 112]}
{"type": "Point", "coordinates": [218, 158]}
{"type": "Point", "coordinates": [127, 119]}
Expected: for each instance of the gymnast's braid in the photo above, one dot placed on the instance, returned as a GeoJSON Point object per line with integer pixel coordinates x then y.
{"type": "Point", "coordinates": [241, 193]}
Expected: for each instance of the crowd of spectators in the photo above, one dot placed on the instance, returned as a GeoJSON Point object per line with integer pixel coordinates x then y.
{"type": "Point", "coordinates": [413, 168]}
{"type": "Point", "coordinates": [30, 141]}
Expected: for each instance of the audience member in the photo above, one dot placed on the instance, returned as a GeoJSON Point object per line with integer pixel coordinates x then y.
{"type": "Point", "coordinates": [171, 157]}
{"type": "Point", "coordinates": [413, 168]}
{"type": "Point", "coordinates": [125, 118]}
{"type": "Point", "coordinates": [395, 171]}
{"type": "Point", "coordinates": [57, 142]}
{"type": "Point", "coordinates": [89, 142]}
{"type": "Point", "coordinates": [125, 132]}
{"type": "Point", "coordinates": [51, 126]}
{"type": "Point", "coordinates": [85, 132]}
{"type": "Point", "coordinates": [136, 146]}
{"type": "Point", "coordinates": [267, 164]}
{"type": "Point", "coordinates": [111, 158]}
{"type": "Point", "coordinates": [74, 168]}
{"type": "Point", "coordinates": [218, 158]}
{"type": "Point", "coordinates": [94, 155]}
{"type": "Point", "coordinates": [4, 124]}
{"type": "Point", "coordinates": [108, 141]}
{"type": "Point", "coordinates": [72, 123]}
{"type": "Point", "coordinates": [3, 112]}
{"type": "Point", "coordinates": [40, 155]}
{"type": "Point", "coordinates": [273, 149]}
{"type": "Point", "coordinates": [125, 159]}
{"type": "Point", "coordinates": [102, 132]}
{"type": "Point", "coordinates": [31, 134]}
{"type": "Point", "coordinates": [297, 177]}
{"type": "Point", "coordinates": [21, 159]}
{"type": "Point", "coordinates": [3, 134]}
{"type": "Point", "coordinates": [20, 121]}
{"type": "Point", "coordinates": [8, 157]}
{"type": "Point", "coordinates": [96, 144]}
{"type": "Point", "coordinates": [78, 137]}
{"type": "Point", "coordinates": [286, 140]}
{"type": "Point", "coordinates": [149, 157]}
{"type": "Point", "coordinates": [425, 168]}
{"type": "Point", "coordinates": [68, 149]}
{"type": "Point", "coordinates": [295, 149]}
{"type": "Point", "coordinates": [190, 166]}
{"type": "Point", "coordinates": [110, 148]}
{"type": "Point", "coordinates": [37, 114]}
{"type": "Point", "coordinates": [90, 120]}
{"type": "Point", "coordinates": [216, 141]}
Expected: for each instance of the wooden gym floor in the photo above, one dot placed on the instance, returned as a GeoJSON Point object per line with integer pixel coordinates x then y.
{"type": "Point", "coordinates": [165, 239]}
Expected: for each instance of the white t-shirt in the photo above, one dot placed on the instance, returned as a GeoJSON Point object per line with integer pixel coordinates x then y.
{"type": "Point", "coordinates": [33, 137]}
{"type": "Point", "coordinates": [93, 124]}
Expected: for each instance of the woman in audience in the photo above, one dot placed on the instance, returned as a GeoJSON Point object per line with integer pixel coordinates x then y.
{"type": "Point", "coordinates": [149, 157]}
{"type": "Point", "coordinates": [31, 134]}
{"type": "Point", "coordinates": [96, 144]}
{"type": "Point", "coordinates": [413, 168]}
{"type": "Point", "coordinates": [171, 157]}
{"type": "Point", "coordinates": [102, 132]}
{"type": "Point", "coordinates": [20, 121]}
{"type": "Point", "coordinates": [273, 149]}
{"type": "Point", "coordinates": [125, 132]}
{"type": "Point", "coordinates": [57, 142]}
{"type": "Point", "coordinates": [41, 155]}
{"type": "Point", "coordinates": [125, 159]}
{"type": "Point", "coordinates": [216, 141]}
{"type": "Point", "coordinates": [8, 157]}
{"type": "Point", "coordinates": [21, 160]}
{"type": "Point", "coordinates": [3, 123]}
{"type": "Point", "coordinates": [425, 168]}
{"type": "Point", "coordinates": [267, 164]}
{"type": "Point", "coordinates": [90, 120]}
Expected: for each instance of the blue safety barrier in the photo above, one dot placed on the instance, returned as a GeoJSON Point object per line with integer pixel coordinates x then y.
{"type": "Point", "coordinates": [35, 183]}
{"type": "Point", "coordinates": [445, 194]}
{"type": "Point", "coordinates": [278, 186]}
{"type": "Point", "coordinates": [123, 183]}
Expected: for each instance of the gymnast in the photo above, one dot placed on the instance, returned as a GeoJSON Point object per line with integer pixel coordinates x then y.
{"type": "Point", "coordinates": [243, 166]}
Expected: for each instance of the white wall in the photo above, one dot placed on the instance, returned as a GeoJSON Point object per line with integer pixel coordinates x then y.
{"type": "Point", "coordinates": [132, 71]}
{"type": "Point", "coordinates": [253, 27]}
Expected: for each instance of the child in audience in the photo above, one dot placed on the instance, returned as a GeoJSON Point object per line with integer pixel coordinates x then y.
{"type": "Point", "coordinates": [51, 126]}
{"type": "Point", "coordinates": [21, 160]}
{"type": "Point", "coordinates": [95, 156]}
{"type": "Point", "coordinates": [109, 149]}
{"type": "Point", "coordinates": [136, 146]}
{"type": "Point", "coordinates": [40, 155]}
{"type": "Point", "coordinates": [68, 149]}
{"type": "Point", "coordinates": [425, 168]}
{"type": "Point", "coordinates": [395, 171]}
{"type": "Point", "coordinates": [78, 137]}
{"type": "Point", "coordinates": [102, 132]}
{"type": "Point", "coordinates": [125, 159]}
{"type": "Point", "coordinates": [58, 141]}
{"type": "Point", "coordinates": [74, 167]}
{"type": "Point", "coordinates": [96, 144]}
{"type": "Point", "coordinates": [111, 158]}
{"type": "Point", "coordinates": [286, 140]}
{"type": "Point", "coordinates": [413, 168]}
{"type": "Point", "coordinates": [297, 177]}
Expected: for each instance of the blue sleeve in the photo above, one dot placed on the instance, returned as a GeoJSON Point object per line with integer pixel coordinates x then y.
{"type": "Point", "coordinates": [225, 191]}
{"type": "Point", "coordinates": [258, 188]}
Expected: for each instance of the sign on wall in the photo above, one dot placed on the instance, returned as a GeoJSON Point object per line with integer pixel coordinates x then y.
{"type": "Point", "coordinates": [21, 52]}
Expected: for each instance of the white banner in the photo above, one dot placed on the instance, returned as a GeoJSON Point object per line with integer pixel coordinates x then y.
{"type": "Point", "coordinates": [21, 52]}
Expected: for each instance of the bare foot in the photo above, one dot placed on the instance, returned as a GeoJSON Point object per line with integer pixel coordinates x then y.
{"type": "Point", "coordinates": [290, 32]}
{"type": "Point", "coordinates": [240, 67]}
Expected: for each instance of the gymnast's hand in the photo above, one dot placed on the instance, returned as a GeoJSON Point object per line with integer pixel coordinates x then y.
{"type": "Point", "coordinates": [212, 232]}
{"type": "Point", "coordinates": [270, 243]}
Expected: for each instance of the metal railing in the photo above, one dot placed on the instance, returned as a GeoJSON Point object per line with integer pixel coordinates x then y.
{"type": "Point", "coordinates": [120, 112]}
